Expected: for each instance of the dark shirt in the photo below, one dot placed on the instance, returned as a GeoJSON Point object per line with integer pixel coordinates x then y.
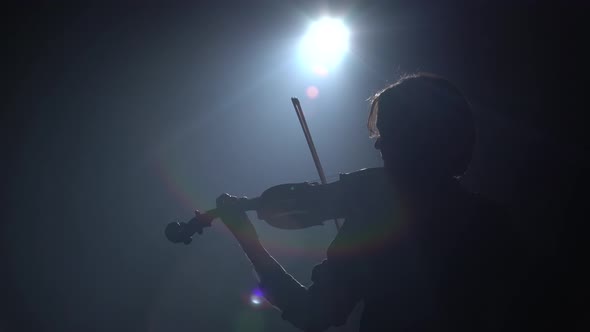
{"type": "Point", "coordinates": [438, 259]}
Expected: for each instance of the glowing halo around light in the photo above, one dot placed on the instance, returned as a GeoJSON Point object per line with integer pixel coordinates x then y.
{"type": "Point", "coordinates": [324, 45]}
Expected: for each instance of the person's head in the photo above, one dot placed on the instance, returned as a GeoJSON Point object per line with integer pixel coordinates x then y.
{"type": "Point", "coordinates": [423, 127]}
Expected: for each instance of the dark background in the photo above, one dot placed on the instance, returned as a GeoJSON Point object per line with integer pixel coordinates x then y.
{"type": "Point", "coordinates": [118, 118]}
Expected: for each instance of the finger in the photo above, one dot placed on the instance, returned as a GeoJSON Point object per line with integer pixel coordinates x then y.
{"type": "Point", "coordinates": [221, 199]}
{"type": "Point", "coordinates": [225, 200]}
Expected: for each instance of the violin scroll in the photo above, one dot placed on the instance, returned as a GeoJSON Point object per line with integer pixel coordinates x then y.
{"type": "Point", "coordinates": [182, 232]}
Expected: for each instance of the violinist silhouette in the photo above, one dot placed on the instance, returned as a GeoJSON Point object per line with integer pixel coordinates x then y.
{"type": "Point", "coordinates": [421, 252]}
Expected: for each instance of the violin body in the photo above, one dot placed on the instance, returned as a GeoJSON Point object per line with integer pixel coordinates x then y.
{"type": "Point", "coordinates": [299, 205]}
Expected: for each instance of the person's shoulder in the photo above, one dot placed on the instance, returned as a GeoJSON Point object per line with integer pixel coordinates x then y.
{"type": "Point", "coordinates": [364, 181]}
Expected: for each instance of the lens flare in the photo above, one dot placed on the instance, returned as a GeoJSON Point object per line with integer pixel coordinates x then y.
{"type": "Point", "coordinates": [320, 71]}
{"type": "Point", "coordinates": [256, 298]}
{"type": "Point", "coordinates": [312, 92]}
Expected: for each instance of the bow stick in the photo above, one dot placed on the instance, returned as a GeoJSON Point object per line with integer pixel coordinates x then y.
{"type": "Point", "coordinates": [314, 153]}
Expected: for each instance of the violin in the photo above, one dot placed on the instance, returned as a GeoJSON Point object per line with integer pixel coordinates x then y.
{"type": "Point", "coordinates": [293, 205]}
{"type": "Point", "coordinates": [285, 206]}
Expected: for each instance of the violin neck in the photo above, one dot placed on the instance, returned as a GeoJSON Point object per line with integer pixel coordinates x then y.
{"type": "Point", "coordinates": [249, 204]}
{"type": "Point", "coordinates": [244, 204]}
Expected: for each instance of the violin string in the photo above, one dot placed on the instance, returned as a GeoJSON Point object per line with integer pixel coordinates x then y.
{"type": "Point", "coordinates": [329, 177]}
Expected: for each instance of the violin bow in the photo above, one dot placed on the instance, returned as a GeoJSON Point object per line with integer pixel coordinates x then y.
{"type": "Point", "coordinates": [314, 153]}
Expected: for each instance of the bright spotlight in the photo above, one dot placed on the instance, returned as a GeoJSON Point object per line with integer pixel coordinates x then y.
{"type": "Point", "coordinates": [325, 44]}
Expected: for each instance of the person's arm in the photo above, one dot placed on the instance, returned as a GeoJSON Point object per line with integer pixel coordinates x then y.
{"type": "Point", "coordinates": [326, 303]}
